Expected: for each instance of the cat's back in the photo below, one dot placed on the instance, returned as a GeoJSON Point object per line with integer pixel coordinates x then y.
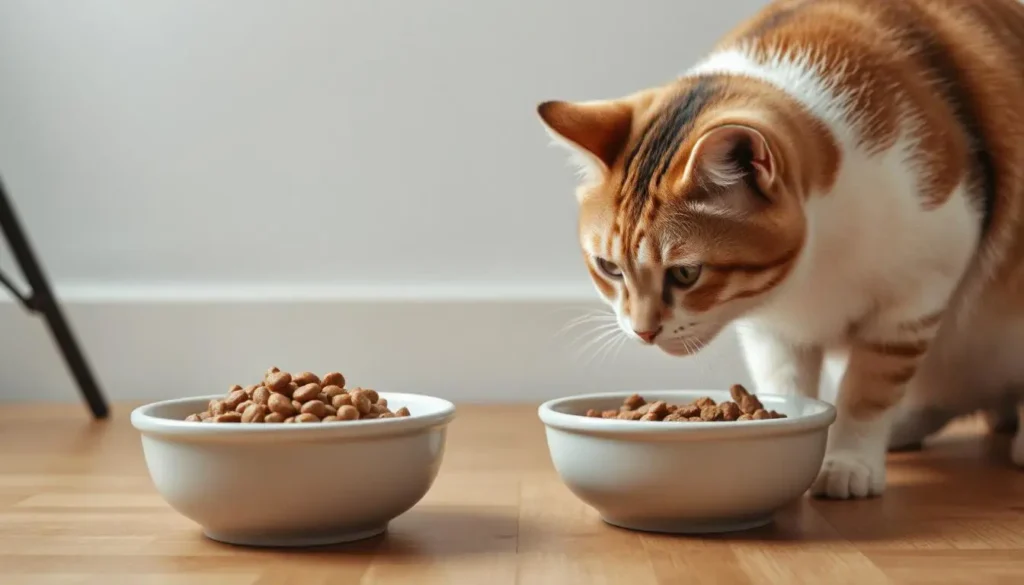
{"type": "Point", "coordinates": [942, 78]}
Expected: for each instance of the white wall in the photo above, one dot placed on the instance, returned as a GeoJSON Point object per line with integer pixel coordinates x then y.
{"type": "Point", "coordinates": [190, 168]}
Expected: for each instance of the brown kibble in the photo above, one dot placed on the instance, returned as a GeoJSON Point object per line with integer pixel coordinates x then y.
{"type": "Point", "coordinates": [277, 381]}
{"type": "Point", "coordinates": [659, 409]}
{"type": "Point", "coordinates": [281, 404]}
{"type": "Point", "coordinates": [261, 395]}
{"type": "Point", "coordinates": [750, 404]}
{"type": "Point", "coordinates": [314, 407]}
{"type": "Point", "coordinates": [729, 410]}
{"type": "Point", "coordinates": [333, 379]}
{"type": "Point", "coordinates": [332, 390]}
{"type": "Point", "coordinates": [361, 401]}
{"type": "Point", "coordinates": [234, 399]}
{"type": "Point", "coordinates": [306, 392]}
{"type": "Point", "coordinates": [710, 413]}
{"type": "Point", "coordinates": [283, 397]}
{"type": "Point", "coordinates": [254, 413]}
{"type": "Point", "coordinates": [228, 417]}
{"type": "Point", "coordinates": [217, 407]}
{"type": "Point", "coordinates": [304, 378]}
{"type": "Point", "coordinates": [689, 411]}
{"type": "Point", "coordinates": [737, 391]}
{"type": "Point", "coordinates": [704, 401]}
{"type": "Point", "coordinates": [341, 400]}
{"type": "Point", "coordinates": [703, 409]}
{"type": "Point", "coordinates": [634, 402]}
{"type": "Point", "coordinates": [348, 412]}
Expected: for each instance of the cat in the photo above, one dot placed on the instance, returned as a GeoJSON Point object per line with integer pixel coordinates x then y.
{"type": "Point", "coordinates": [843, 180]}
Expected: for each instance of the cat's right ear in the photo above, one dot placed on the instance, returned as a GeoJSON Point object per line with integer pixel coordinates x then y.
{"type": "Point", "coordinates": [596, 132]}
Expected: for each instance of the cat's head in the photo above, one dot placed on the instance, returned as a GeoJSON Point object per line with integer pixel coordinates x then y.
{"type": "Point", "coordinates": [691, 205]}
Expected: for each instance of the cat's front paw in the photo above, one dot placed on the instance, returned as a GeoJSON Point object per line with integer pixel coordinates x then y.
{"type": "Point", "coordinates": [848, 475]}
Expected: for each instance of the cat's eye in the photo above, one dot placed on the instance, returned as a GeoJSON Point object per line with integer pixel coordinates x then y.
{"type": "Point", "coordinates": [683, 276]}
{"type": "Point", "coordinates": [610, 269]}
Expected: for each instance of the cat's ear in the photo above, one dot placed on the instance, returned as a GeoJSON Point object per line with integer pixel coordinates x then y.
{"type": "Point", "coordinates": [730, 155]}
{"type": "Point", "coordinates": [596, 132]}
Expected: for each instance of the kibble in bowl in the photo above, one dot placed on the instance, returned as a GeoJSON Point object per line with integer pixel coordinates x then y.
{"type": "Point", "coordinates": [655, 469]}
{"type": "Point", "coordinates": [293, 484]}
{"type": "Point", "coordinates": [282, 397]}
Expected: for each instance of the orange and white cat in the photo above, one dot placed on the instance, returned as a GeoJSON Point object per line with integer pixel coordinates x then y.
{"type": "Point", "coordinates": [845, 180]}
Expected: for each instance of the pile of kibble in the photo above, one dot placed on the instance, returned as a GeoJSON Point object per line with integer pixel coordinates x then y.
{"type": "Point", "coordinates": [743, 406]}
{"type": "Point", "coordinates": [296, 398]}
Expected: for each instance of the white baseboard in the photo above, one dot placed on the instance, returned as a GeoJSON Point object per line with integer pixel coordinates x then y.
{"type": "Point", "coordinates": [464, 344]}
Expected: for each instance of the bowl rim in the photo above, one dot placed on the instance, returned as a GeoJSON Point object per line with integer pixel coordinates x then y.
{"type": "Point", "coordinates": [621, 429]}
{"type": "Point", "coordinates": [150, 425]}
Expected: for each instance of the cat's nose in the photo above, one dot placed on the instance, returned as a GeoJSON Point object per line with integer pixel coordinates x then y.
{"type": "Point", "coordinates": [648, 336]}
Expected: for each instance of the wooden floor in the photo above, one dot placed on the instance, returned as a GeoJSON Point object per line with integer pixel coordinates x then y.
{"type": "Point", "coordinates": [76, 506]}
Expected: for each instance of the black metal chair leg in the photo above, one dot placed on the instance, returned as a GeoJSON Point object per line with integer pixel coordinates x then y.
{"type": "Point", "coordinates": [42, 300]}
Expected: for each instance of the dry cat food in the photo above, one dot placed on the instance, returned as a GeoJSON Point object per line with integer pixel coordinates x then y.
{"type": "Point", "coordinates": [296, 398]}
{"type": "Point", "coordinates": [743, 406]}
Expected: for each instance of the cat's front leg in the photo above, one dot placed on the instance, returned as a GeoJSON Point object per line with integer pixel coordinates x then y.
{"type": "Point", "coordinates": [779, 366]}
{"type": "Point", "coordinates": [876, 377]}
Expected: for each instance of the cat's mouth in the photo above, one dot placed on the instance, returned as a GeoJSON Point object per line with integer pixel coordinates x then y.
{"type": "Point", "coordinates": [682, 346]}
{"type": "Point", "coordinates": [690, 343]}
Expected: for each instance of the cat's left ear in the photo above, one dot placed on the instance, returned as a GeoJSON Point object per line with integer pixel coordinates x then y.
{"type": "Point", "coordinates": [730, 154]}
{"type": "Point", "coordinates": [596, 132]}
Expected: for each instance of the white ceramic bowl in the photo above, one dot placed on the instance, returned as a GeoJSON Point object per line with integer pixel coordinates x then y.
{"type": "Point", "coordinates": [293, 484]}
{"type": "Point", "coordinates": [686, 477]}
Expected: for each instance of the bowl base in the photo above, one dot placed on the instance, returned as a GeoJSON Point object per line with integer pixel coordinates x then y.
{"type": "Point", "coordinates": [292, 541]}
{"type": "Point", "coordinates": [669, 526]}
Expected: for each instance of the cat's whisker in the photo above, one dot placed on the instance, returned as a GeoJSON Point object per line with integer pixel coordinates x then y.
{"type": "Point", "coordinates": [606, 348]}
{"type": "Point", "coordinates": [594, 331]}
{"type": "Point", "coordinates": [589, 328]}
{"type": "Point", "coordinates": [593, 317]}
{"type": "Point", "coordinates": [598, 339]}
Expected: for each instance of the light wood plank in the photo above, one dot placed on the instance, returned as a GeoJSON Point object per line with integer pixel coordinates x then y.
{"type": "Point", "coordinates": [78, 508]}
